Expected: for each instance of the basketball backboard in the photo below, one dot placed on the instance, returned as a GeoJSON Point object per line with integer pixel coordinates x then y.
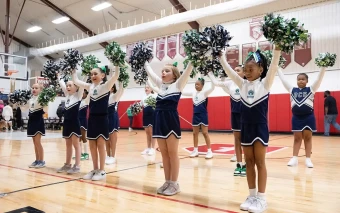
{"type": "Point", "coordinates": [13, 66]}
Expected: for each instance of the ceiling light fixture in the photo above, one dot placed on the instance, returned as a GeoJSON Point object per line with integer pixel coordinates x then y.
{"type": "Point", "coordinates": [33, 29]}
{"type": "Point", "coordinates": [101, 6]}
{"type": "Point", "coordinates": [61, 20]}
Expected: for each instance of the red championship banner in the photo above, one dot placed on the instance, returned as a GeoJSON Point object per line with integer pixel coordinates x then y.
{"type": "Point", "coordinates": [150, 44]}
{"type": "Point", "coordinates": [265, 45]}
{"type": "Point", "coordinates": [303, 52]}
{"type": "Point", "coordinates": [172, 44]}
{"type": "Point", "coordinates": [160, 48]}
{"type": "Point", "coordinates": [246, 48]}
{"type": "Point", "coordinates": [255, 27]}
{"type": "Point", "coordinates": [129, 49]}
{"type": "Point", "coordinates": [181, 46]}
{"type": "Point", "coordinates": [233, 56]}
{"type": "Point", "coordinates": [288, 58]}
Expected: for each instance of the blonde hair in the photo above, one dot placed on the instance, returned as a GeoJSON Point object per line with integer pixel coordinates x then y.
{"type": "Point", "coordinates": [41, 86]}
{"type": "Point", "coordinates": [174, 70]}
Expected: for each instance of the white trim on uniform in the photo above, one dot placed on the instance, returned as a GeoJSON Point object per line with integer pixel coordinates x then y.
{"type": "Point", "coordinates": [72, 133]}
{"type": "Point", "coordinates": [250, 144]}
{"type": "Point", "coordinates": [98, 137]}
{"type": "Point", "coordinates": [306, 127]}
{"type": "Point", "coordinates": [36, 134]}
{"type": "Point", "coordinates": [167, 136]}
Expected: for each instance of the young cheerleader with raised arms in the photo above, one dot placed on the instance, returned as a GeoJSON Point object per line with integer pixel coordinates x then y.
{"type": "Point", "coordinates": [254, 92]}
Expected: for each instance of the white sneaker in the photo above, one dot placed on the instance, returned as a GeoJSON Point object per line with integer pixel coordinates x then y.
{"type": "Point", "coordinates": [151, 152]}
{"type": "Point", "coordinates": [64, 168]}
{"type": "Point", "coordinates": [209, 155]}
{"type": "Point", "coordinates": [172, 189]}
{"type": "Point", "coordinates": [309, 163]}
{"type": "Point", "coordinates": [89, 175]}
{"type": "Point", "coordinates": [258, 206]}
{"type": "Point", "coordinates": [293, 161]}
{"type": "Point", "coordinates": [145, 152]}
{"type": "Point", "coordinates": [107, 159]}
{"type": "Point", "coordinates": [99, 175]}
{"type": "Point", "coordinates": [233, 159]}
{"type": "Point", "coordinates": [111, 160]}
{"type": "Point", "coordinates": [161, 189]}
{"type": "Point", "coordinates": [193, 154]}
{"type": "Point", "coordinates": [161, 165]}
{"type": "Point", "coordinates": [246, 204]}
{"type": "Point", "coordinates": [130, 129]}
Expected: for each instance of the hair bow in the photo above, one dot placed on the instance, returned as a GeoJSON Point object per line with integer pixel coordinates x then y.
{"type": "Point", "coordinates": [255, 55]}
{"type": "Point", "coordinates": [175, 64]}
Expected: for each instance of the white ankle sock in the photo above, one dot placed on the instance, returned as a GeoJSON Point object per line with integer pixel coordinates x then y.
{"type": "Point", "coordinates": [252, 192]}
{"type": "Point", "coordinates": [240, 163]}
{"type": "Point", "coordinates": [261, 195]}
{"type": "Point", "coordinates": [295, 157]}
{"type": "Point", "coordinates": [209, 150]}
{"type": "Point", "coordinates": [80, 143]}
{"type": "Point", "coordinates": [196, 149]}
{"type": "Point", "coordinates": [85, 147]}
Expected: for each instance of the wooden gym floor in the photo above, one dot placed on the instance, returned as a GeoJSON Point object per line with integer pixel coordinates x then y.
{"type": "Point", "coordinates": [130, 186]}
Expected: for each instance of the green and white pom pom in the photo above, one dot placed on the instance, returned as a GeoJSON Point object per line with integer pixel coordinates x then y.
{"type": "Point", "coordinates": [124, 76]}
{"type": "Point", "coordinates": [115, 54]}
{"type": "Point", "coordinates": [151, 101]}
{"type": "Point", "coordinates": [325, 60]}
{"type": "Point", "coordinates": [284, 33]}
{"type": "Point", "coordinates": [269, 55]}
{"type": "Point", "coordinates": [88, 64]}
{"type": "Point", "coordinates": [194, 48]}
{"type": "Point", "coordinates": [47, 95]}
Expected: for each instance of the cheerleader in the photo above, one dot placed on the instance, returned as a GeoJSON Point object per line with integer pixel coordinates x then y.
{"type": "Point", "coordinates": [84, 105]}
{"type": "Point", "coordinates": [303, 119]}
{"type": "Point", "coordinates": [166, 126]}
{"type": "Point", "coordinates": [235, 104]}
{"type": "Point", "coordinates": [113, 123]}
{"type": "Point", "coordinates": [71, 127]}
{"type": "Point", "coordinates": [98, 130]}
{"type": "Point", "coordinates": [200, 116]}
{"type": "Point", "coordinates": [36, 125]}
{"type": "Point", "coordinates": [148, 113]}
{"type": "Point", "coordinates": [254, 93]}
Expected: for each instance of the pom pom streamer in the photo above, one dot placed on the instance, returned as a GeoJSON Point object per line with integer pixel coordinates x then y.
{"type": "Point", "coordinates": [88, 64]}
{"type": "Point", "coordinates": [47, 95]}
{"type": "Point", "coordinates": [151, 101]}
{"type": "Point", "coordinates": [325, 60]}
{"type": "Point", "coordinates": [136, 108]}
{"type": "Point", "coordinates": [124, 76]}
{"type": "Point", "coordinates": [50, 71]}
{"type": "Point", "coordinates": [140, 54]}
{"type": "Point", "coordinates": [284, 33]}
{"type": "Point", "coordinates": [71, 60]}
{"type": "Point", "coordinates": [20, 97]}
{"type": "Point", "coordinates": [115, 54]}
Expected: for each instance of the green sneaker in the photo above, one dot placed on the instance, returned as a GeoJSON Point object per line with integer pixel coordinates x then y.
{"type": "Point", "coordinates": [244, 171]}
{"type": "Point", "coordinates": [82, 157]}
{"type": "Point", "coordinates": [86, 156]}
{"type": "Point", "coordinates": [238, 170]}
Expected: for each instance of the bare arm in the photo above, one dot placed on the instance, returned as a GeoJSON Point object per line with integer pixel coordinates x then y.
{"type": "Point", "coordinates": [229, 71]}
{"type": "Point", "coordinates": [112, 80]}
{"type": "Point", "coordinates": [155, 89]}
{"type": "Point", "coordinates": [274, 65]}
{"type": "Point", "coordinates": [78, 82]}
{"type": "Point", "coordinates": [181, 82]}
{"type": "Point", "coordinates": [284, 81]}
{"type": "Point", "coordinates": [210, 90]}
{"type": "Point", "coordinates": [80, 93]}
{"type": "Point", "coordinates": [152, 75]}
{"type": "Point", "coordinates": [186, 93]}
{"type": "Point", "coordinates": [315, 86]}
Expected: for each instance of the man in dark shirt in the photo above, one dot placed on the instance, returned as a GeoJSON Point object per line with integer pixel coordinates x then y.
{"type": "Point", "coordinates": [331, 112]}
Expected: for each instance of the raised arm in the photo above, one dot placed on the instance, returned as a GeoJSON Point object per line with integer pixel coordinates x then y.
{"type": "Point", "coordinates": [274, 66]}
{"type": "Point", "coordinates": [210, 90]}
{"type": "Point", "coordinates": [62, 85]}
{"type": "Point", "coordinates": [186, 93]}
{"type": "Point", "coordinates": [155, 89]}
{"type": "Point", "coordinates": [152, 75]}
{"type": "Point", "coordinates": [78, 82]}
{"type": "Point", "coordinates": [112, 80]}
{"type": "Point", "coordinates": [215, 81]}
{"type": "Point", "coordinates": [229, 71]}
{"type": "Point", "coordinates": [182, 81]}
{"type": "Point", "coordinates": [80, 93]}
{"type": "Point", "coordinates": [284, 81]}
{"type": "Point", "coordinates": [119, 93]}
{"type": "Point", "coordinates": [315, 86]}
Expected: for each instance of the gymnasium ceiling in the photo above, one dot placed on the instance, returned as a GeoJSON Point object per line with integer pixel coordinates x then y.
{"type": "Point", "coordinates": [36, 12]}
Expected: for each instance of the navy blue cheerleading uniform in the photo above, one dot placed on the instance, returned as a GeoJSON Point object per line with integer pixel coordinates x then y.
{"type": "Point", "coordinates": [113, 110]}
{"type": "Point", "coordinates": [235, 100]}
{"type": "Point", "coordinates": [35, 123]}
{"type": "Point", "coordinates": [302, 104]}
{"type": "Point", "coordinates": [71, 112]}
{"type": "Point", "coordinates": [200, 104]}
{"type": "Point", "coordinates": [254, 99]}
{"type": "Point", "coordinates": [84, 105]}
{"type": "Point", "coordinates": [148, 111]}
{"type": "Point", "coordinates": [98, 122]}
{"type": "Point", "coordinates": [166, 118]}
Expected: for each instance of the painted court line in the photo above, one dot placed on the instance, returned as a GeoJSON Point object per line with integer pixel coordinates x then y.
{"type": "Point", "coordinates": [113, 187]}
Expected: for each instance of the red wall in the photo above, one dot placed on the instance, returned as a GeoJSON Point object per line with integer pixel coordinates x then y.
{"type": "Point", "coordinates": [280, 113]}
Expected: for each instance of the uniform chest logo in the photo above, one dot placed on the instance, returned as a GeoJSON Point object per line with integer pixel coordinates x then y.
{"type": "Point", "coordinates": [68, 101]}
{"type": "Point", "coordinates": [196, 98]}
{"type": "Point", "coordinates": [237, 92]}
{"type": "Point", "coordinates": [250, 94]}
{"type": "Point", "coordinates": [300, 94]}
{"type": "Point", "coordinates": [32, 106]}
{"type": "Point", "coordinates": [95, 92]}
